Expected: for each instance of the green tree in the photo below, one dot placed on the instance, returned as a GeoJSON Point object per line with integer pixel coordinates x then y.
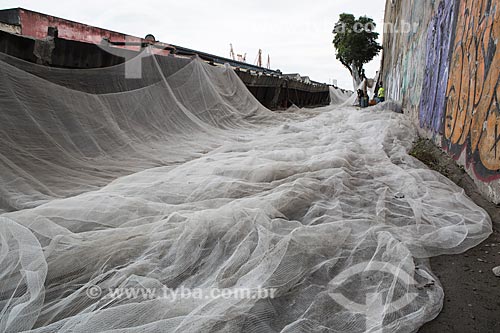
{"type": "Point", "coordinates": [356, 44]}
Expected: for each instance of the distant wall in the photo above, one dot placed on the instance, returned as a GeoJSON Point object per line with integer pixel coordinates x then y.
{"type": "Point", "coordinates": [36, 25]}
{"type": "Point", "coordinates": [278, 92]}
{"type": "Point", "coordinates": [58, 52]}
{"type": "Point", "coordinates": [273, 91]}
{"type": "Point", "coordinates": [446, 73]}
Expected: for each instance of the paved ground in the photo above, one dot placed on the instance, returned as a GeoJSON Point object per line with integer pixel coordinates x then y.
{"type": "Point", "coordinates": [472, 291]}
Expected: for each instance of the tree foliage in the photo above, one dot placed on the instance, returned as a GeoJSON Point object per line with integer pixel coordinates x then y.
{"type": "Point", "coordinates": [355, 42]}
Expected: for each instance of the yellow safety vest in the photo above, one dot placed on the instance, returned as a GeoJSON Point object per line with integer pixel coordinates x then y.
{"type": "Point", "coordinates": [381, 92]}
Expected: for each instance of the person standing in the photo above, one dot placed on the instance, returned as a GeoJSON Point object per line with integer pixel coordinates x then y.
{"type": "Point", "coordinates": [360, 97]}
{"type": "Point", "coordinates": [365, 93]}
{"type": "Point", "coordinates": [381, 93]}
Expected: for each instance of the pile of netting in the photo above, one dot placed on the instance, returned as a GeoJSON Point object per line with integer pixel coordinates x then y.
{"type": "Point", "coordinates": [177, 203]}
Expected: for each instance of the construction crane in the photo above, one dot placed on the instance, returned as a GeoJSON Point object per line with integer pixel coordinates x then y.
{"type": "Point", "coordinates": [239, 57]}
{"type": "Point", "coordinates": [242, 58]}
{"type": "Point", "coordinates": [231, 52]}
{"type": "Point", "coordinates": [258, 60]}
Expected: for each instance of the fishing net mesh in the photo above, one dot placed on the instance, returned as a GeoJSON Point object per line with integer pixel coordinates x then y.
{"type": "Point", "coordinates": [182, 180]}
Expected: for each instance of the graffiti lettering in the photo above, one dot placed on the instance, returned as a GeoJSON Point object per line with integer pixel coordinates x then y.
{"type": "Point", "coordinates": [472, 110]}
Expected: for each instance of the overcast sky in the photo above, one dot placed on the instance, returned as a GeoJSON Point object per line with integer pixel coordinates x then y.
{"type": "Point", "coordinates": [296, 34]}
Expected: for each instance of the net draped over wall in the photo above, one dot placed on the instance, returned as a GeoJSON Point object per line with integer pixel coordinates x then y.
{"type": "Point", "coordinates": [181, 179]}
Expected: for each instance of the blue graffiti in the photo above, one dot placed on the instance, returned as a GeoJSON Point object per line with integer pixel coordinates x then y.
{"type": "Point", "coordinates": [433, 98]}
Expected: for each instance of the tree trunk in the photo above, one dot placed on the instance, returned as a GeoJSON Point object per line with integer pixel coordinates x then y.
{"type": "Point", "coordinates": [356, 77]}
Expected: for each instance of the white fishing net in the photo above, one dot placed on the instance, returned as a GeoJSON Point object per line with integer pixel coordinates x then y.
{"type": "Point", "coordinates": [183, 180]}
{"type": "Point", "coordinates": [339, 97]}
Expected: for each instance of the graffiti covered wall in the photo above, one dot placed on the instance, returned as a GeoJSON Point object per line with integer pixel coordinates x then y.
{"type": "Point", "coordinates": [446, 74]}
{"type": "Point", "coordinates": [404, 52]}
{"type": "Point", "coordinates": [472, 122]}
{"type": "Point", "coordinates": [438, 47]}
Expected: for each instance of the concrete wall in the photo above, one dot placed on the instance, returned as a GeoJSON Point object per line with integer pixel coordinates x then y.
{"type": "Point", "coordinates": [281, 92]}
{"type": "Point", "coordinates": [57, 52]}
{"type": "Point", "coordinates": [446, 74]}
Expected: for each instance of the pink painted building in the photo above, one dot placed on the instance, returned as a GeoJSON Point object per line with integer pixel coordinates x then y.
{"type": "Point", "coordinates": [37, 25]}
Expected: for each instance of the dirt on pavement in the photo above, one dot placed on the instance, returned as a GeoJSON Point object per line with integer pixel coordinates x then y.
{"type": "Point", "coordinates": [471, 289]}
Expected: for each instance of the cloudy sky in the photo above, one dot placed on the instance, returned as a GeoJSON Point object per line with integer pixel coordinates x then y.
{"type": "Point", "coordinates": [296, 34]}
